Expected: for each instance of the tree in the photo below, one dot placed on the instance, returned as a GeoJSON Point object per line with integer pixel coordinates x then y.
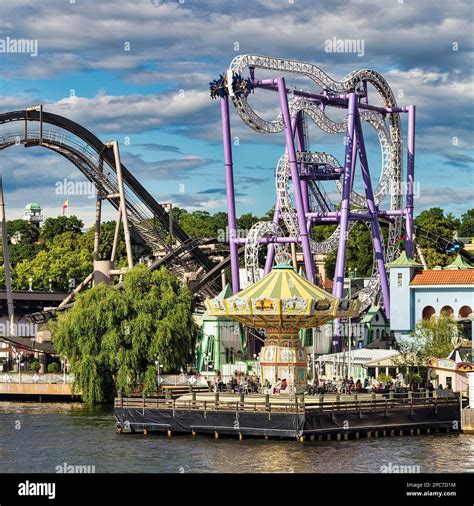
{"type": "Point", "coordinates": [359, 254]}
{"type": "Point", "coordinates": [435, 221]}
{"type": "Point", "coordinates": [466, 227]}
{"type": "Point", "coordinates": [431, 338]}
{"type": "Point", "coordinates": [247, 221]}
{"type": "Point", "coordinates": [25, 231]}
{"type": "Point", "coordinates": [112, 337]}
{"type": "Point", "coordinates": [57, 226]}
{"type": "Point", "coordinates": [63, 258]}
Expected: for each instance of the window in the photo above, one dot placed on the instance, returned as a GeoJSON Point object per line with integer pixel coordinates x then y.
{"type": "Point", "coordinates": [447, 311]}
{"type": "Point", "coordinates": [449, 382]}
{"type": "Point", "coordinates": [399, 280]}
{"type": "Point", "coordinates": [465, 312]}
{"type": "Point", "coordinates": [428, 312]}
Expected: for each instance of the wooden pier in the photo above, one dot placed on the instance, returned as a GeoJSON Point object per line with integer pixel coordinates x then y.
{"type": "Point", "coordinates": [334, 417]}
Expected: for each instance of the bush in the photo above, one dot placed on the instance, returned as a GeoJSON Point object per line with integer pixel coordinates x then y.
{"type": "Point", "coordinates": [35, 366]}
{"type": "Point", "coordinates": [53, 367]}
{"type": "Point", "coordinates": [384, 378]}
{"type": "Point", "coordinates": [412, 378]}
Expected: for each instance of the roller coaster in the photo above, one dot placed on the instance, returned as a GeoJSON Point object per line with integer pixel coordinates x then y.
{"type": "Point", "coordinates": [301, 202]}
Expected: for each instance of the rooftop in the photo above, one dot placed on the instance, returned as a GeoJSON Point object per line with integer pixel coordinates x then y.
{"type": "Point", "coordinates": [444, 277]}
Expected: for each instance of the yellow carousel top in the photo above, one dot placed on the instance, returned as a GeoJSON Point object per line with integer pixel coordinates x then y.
{"type": "Point", "coordinates": [283, 299]}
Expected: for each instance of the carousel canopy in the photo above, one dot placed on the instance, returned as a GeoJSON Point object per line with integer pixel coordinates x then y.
{"type": "Point", "coordinates": [282, 299]}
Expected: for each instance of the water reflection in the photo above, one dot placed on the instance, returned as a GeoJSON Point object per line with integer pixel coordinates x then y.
{"type": "Point", "coordinates": [39, 437]}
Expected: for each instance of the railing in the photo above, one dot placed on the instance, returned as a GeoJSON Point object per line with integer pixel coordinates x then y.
{"type": "Point", "coordinates": [297, 406]}
{"type": "Point", "coordinates": [49, 378]}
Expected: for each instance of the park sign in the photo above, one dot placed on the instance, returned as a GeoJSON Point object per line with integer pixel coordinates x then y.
{"type": "Point", "coordinates": [449, 365]}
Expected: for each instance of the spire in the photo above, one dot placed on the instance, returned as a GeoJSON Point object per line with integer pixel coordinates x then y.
{"type": "Point", "coordinates": [459, 263]}
{"type": "Point", "coordinates": [404, 261]}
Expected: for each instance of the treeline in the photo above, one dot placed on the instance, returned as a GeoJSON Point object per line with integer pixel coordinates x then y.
{"type": "Point", "coordinates": [60, 251]}
{"type": "Point", "coordinates": [58, 256]}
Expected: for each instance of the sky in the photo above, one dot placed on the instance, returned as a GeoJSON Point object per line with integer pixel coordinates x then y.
{"type": "Point", "coordinates": [138, 71]}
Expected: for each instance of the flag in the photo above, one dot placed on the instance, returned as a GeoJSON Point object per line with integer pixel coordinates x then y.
{"type": "Point", "coordinates": [65, 205]}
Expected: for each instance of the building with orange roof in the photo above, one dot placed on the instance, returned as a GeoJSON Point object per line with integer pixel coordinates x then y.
{"type": "Point", "coordinates": [418, 294]}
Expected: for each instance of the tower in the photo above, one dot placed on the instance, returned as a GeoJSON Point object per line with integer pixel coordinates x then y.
{"type": "Point", "coordinates": [401, 273]}
{"type": "Point", "coordinates": [33, 214]}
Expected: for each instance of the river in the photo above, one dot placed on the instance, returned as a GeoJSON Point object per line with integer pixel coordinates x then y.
{"type": "Point", "coordinates": [39, 437]}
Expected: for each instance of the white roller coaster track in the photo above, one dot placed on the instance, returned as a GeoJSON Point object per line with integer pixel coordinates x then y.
{"type": "Point", "coordinates": [390, 144]}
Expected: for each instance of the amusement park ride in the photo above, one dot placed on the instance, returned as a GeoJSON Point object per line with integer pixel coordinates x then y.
{"type": "Point", "coordinates": [301, 203]}
{"type": "Point", "coordinates": [301, 171]}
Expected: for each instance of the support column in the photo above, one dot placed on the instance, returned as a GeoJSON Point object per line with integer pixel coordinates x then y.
{"type": "Point", "coordinates": [6, 261]}
{"type": "Point", "coordinates": [276, 220]}
{"type": "Point", "coordinates": [123, 206]}
{"type": "Point", "coordinates": [116, 234]}
{"type": "Point", "coordinates": [338, 289]}
{"type": "Point", "coordinates": [229, 179]}
{"type": "Point", "coordinates": [410, 181]}
{"type": "Point", "coordinates": [349, 164]}
{"type": "Point", "coordinates": [303, 231]}
{"type": "Point", "coordinates": [98, 219]}
{"type": "Point", "coordinates": [375, 228]}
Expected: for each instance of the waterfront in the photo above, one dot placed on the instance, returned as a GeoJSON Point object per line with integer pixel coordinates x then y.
{"type": "Point", "coordinates": [39, 437]}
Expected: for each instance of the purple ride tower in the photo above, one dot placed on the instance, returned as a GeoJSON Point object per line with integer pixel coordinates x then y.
{"type": "Point", "coordinates": [302, 170]}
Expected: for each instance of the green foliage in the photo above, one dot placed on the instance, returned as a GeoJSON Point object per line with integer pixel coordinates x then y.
{"type": "Point", "coordinates": [64, 257]}
{"type": "Point", "coordinates": [359, 249]}
{"type": "Point", "coordinates": [35, 366]}
{"type": "Point", "coordinates": [26, 232]}
{"type": "Point", "coordinates": [53, 368]}
{"type": "Point", "coordinates": [53, 227]}
{"type": "Point", "coordinates": [466, 227]}
{"type": "Point", "coordinates": [384, 378]}
{"type": "Point", "coordinates": [436, 221]}
{"type": "Point", "coordinates": [112, 337]}
{"type": "Point", "coordinates": [431, 338]}
{"type": "Point", "coordinates": [413, 377]}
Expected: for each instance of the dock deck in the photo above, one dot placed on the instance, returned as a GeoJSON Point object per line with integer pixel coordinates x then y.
{"type": "Point", "coordinates": [280, 416]}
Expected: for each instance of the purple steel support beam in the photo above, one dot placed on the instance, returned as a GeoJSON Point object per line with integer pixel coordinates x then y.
{"type": "Point", "coordinates": [340, 100]}
{"type": "Point", "coordinates": [355, 216]}
{"type": "Point", "coordinates": [229, 179]}
{"type": "Point", "coordinates": [372, 207]}
{"type": "Point", "coordinates": [272, 240]}
{"type": "Point", "coordinates": [410, 180]}
{"type": "Point", "coordinates": [303, 231]}
{"type": "Point", "coordinates": [271, 247]}
{"type": "Point", "coordinates": [338, 288]}
{"type": "Point", "coordinates": [300, 142]}
{"type": "Point", "coordinates": [276, 218]}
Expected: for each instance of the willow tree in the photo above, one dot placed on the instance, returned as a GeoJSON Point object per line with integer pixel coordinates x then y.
{"type": "Point", "coordinates": [112, 337]}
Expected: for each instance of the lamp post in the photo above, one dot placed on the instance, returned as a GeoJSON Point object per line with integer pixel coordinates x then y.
{"type": "Point", "coordinates": [158, 369]}
{"type": "Point", "coordinates": [18, 361]}
{"type": "Point", "coordinates": [30, 283]}
{"type": "Point", "coordinates": [63, 366]}
{"type": "Point", "coordinates": [352, 275]}
{"type": "Point", "coordinates": [169, 207]}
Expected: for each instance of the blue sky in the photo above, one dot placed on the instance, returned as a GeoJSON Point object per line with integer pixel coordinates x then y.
{"type": "Point", "coordinates": [138, 71]}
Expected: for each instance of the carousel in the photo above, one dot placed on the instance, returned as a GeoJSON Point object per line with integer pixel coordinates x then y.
{"type": "Point", "coordinates": [282, 303]}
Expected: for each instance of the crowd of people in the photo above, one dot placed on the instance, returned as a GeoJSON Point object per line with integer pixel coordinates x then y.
{"type": "Point", "coordinates": [244, 384]}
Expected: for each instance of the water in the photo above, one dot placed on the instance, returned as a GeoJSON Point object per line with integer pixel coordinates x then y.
{"type": "Point", "coordinates": [39, 437]}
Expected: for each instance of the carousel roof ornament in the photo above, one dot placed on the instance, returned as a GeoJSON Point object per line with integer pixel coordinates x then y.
{"type": "Point", "coordinates": [283, 299]}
